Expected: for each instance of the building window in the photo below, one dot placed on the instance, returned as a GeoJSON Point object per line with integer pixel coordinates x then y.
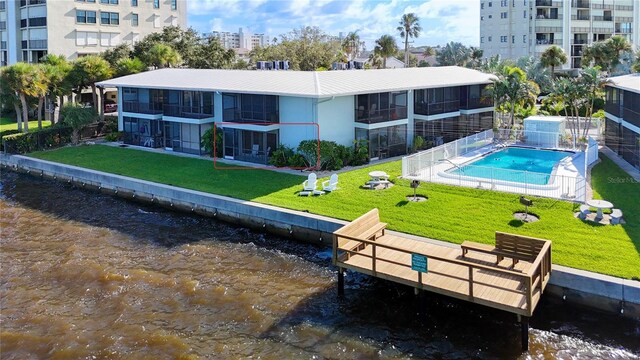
{"type": "Point", "coordinates": [84, 38]}
{"type": "Point", "coordinates": [524, 39]}
{"type": "Point", "coordinates": [513, 39]}
{"type": "Point", "coordinates": [490, 16]}
{"type": "Point", "coordinates": [503, 3]}
{"type": "Point", "coordinates": [490, 3]}
{"type": "Point", "coordinates": [503, 39]}
{"type": "Point", "coordinates": [481, 39]}
{"type": "Point", "coordinates": [156, 21]}
{"type": "Point", "coordinates": [174, 4]}
{"type": "Point", "coordinates": [503, 15]}
{"type": "Point", "coordinates": [111, 2]}
{"type": "Point", "coordinates": [490, 38]}
{"type": "Point", "coordinates": [109, 18]}
{"type": "Point", "coordinates": [481, 18]}
{"type": "Point", "coordinates": [134, 19]}
{"type": "Point", "coordinates": [481, 5]}
{"type": "Point", "coordinates": [156, 4]}
{"type": "Point", "coordinates": [134, 3]}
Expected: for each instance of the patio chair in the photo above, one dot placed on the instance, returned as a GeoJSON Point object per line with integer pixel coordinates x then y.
{"type": "Point", "coordinates": [584, 211]}
{"type": "Point", "coordinates": [331, 184]}
{"type": "Point", "coordinates": [309, 186]}
{"type": "Point", "coordinates": [616, 216]}
{"type": "Point", "coordinates": [254, 150]}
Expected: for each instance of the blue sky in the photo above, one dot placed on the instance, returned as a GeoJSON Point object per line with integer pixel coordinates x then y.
{"type": "Point", "coordinates": [441, 20]}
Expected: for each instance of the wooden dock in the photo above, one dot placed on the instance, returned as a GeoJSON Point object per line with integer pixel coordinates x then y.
{"type": "Point", "coordinates": [510, 276]}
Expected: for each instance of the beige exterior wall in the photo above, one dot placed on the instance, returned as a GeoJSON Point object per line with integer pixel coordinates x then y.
{"type": "Point", "coordinates": [64, 35]}
{"type": "Point", "coordinates": [570, 24]}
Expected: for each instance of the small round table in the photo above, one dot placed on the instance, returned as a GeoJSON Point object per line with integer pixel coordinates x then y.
{"type": "Point", "coordinates": [600, 204]}
{"type": "Point", "coordinates": [378, 175]}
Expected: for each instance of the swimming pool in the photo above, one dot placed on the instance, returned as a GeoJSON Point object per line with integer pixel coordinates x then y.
{"type": "Point", "coordinates": [514, 164]}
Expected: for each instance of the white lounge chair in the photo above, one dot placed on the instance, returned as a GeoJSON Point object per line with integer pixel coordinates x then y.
{"type": "Point", "coordinates": [309, 186]}
{"type": "Point", "coordinates": [331, 184]}
{"type": "Point", "coordinates": [584, 211]}
{"type": "Point", "coordinates": [616, 216]}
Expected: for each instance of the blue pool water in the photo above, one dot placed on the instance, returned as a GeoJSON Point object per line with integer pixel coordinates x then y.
{"type": "Point", "coordinates": [515, 164]}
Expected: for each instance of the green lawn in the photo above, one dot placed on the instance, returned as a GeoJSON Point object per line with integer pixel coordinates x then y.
{"type": "Point", "coordinates": [452, 213]}
{"type": "Point", "coordinates": [11, 124]}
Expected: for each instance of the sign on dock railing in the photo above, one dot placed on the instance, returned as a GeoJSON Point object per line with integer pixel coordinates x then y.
{"type": "Point", "coordinates": [419, 263]}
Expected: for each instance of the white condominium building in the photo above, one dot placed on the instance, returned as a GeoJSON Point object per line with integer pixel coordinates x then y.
{"type": "Point", "coordinates": [241, 39]}
{"type": "Point", "coordinates": [515, 28]}
{"type": "Point", "coordinates": [30, 29]}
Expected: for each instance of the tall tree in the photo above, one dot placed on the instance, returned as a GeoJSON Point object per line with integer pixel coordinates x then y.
{"type": "Point", "coordinates": [129, 66]}
{"type": "Point", "coordinates": [512, 88]}
{"type": "Point", "coordinates": [46, 73]}
{"type": "Point", "coordinates": [553, 56]}
{"type": "Point", "coordinates": [375, 59]}
{"type": "Point", "coordinates": [351, 44]}
{"type": "Point", "coordinates": [618, 45]}
{"type": "Point", "coordinates": [386, 47]}
{"type": "Point", "coordinates": [307, 49]}
{"type": "Point", "coordinates": [409, 28]}
{"type": "Point", "coordinates": [475, 57]}
{"type": "Point", "coordinates": [598, 54]}
{"type": "Point", "coordinates": [9, 82]}
{"type": "Point", "coordinates": [453, 53]}
{"type": "Point", "coordinates": [27, 81]}
{"type": "Point", "coordinates": [59, 85]}
{"type": "Point", "coordinates": [161, 56]}
{"type": "Point", "coordinates": [636, 63]}
{"type": "Point", "coordinates": [116, 54]}
{"type": "Point", "coordinates": [210, 54]}
{"type": "Point", "coordinates": [89, 70]}
{"type": "Point", "coordinates": [429, 51]}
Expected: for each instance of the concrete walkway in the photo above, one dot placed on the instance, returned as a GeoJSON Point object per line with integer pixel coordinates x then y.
{"type": "Point", "coordinates": [628, 168]}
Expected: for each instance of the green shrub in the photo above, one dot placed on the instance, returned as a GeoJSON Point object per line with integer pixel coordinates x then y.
{"type": "Point", "coordinates": [206, 142]}
{"type": "Point", "coordinates": [114, 136]}
{"type": "Point", "coordinates": [360, 152]}
{"type": "Point", "coordinates": [281, 156]}
{"type": "Point", "coordinates": [6, 133]}
{"type": "Point", "coordinates": [23, 143]}
{"type": "Point", "coordinates": [418, 143]}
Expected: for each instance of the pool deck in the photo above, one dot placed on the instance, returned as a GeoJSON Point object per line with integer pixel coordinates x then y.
{"type": "Point", "coordinates": [567, 178]}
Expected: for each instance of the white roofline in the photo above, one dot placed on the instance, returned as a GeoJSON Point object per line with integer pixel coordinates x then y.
{"type": "Point", "coordinates": [318, 84]}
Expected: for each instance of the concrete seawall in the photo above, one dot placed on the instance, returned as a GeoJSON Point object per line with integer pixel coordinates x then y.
{"type": "Point", "coordinates": [606, 293]}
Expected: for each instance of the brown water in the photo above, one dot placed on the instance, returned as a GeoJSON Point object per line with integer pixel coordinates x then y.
{"type": "Point", "coordinates": [84, 275]}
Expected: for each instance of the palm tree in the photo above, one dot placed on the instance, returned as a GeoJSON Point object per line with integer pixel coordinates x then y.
{"type": "Point", "coordinates": [351, 44]}
{"type": "Point", "coordinates": [553, 56]}
{"type": "Point", "coordinates": [26, 80]}
{"type": "Point", "coordinates": [454, 53]}
{"type": "Point", "coordinates": [129, 66]}
{"type": "Point", "coordinates": [618, 44]}
{"type": "Point", "coordinates": [8, 83]}
{"type": "Point", "coordinates": [77, 117]}
{"type": "Point", "coordinates": [598, 54]}
{"type": "Point", "coordinates": [90, 70]}
{"type": "Point", "coordinates": [409, 28]}
{"type": "Point", "coordinates": [376, 59]}
{"type": "Point", "coordinates": [512, 88]}
{"type": "Point", "coordinates": [386, 47]}
{"type": "Point", "coordinates": [636, 64]}
{"type": "Point", "coordinates": [475, 55]}
{"type": "Point", "coordinates": [46, 72]}
{"type": "Point", "coordinates": [162, 55]}
{"type": "Point", "coordinates": [429, 51]}
{"type": "Point", "coordinates": [59, 82]}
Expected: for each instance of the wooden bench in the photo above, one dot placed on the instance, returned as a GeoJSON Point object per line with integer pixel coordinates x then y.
{"type": "Point", "coordinates": [366, 227]}
{"type": "Point", "coordinates": [514, 247]}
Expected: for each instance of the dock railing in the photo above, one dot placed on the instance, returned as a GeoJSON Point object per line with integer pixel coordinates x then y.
{"type": "Point", "coordinates": [535, 278]}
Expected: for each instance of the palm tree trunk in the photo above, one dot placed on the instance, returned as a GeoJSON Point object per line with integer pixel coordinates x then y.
{"type": "Point", "coordinates": [384, 62]}
{"type": "Point", "coordinates": [25, 112]}
{"type": "Point", "coordinates": [406, 50]}
{"type": "Point", "coordinates": [18, 115]}
{"type": "Point", "coordinates": [40, 104]}
{"type": "Point", "coordinates": [95, 96]}
{"type": "Point", "coordinates": [101, 104]}
{"type": "Point", "coordinates": [512, 120]}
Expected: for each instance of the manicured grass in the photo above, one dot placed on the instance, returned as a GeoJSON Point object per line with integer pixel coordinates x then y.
{"type": "Point", "coordinates": [11, 124]}
{"type": "Point", "coordinates": [452, 213]}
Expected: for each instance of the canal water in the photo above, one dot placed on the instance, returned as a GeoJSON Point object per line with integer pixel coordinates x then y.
{"type": "Point", "coordinates": [89, 276]}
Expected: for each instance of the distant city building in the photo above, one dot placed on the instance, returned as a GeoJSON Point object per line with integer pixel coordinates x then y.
{"type": "Point", "coordinates": [516, 28]}
{"type": "Point", "coordinates": [31, 29]}
{"type": "Point", "coordinates": [241, 39]}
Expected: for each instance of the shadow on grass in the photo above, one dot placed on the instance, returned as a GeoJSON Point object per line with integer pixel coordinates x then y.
{"type": "Point", "coordinates": [402, 203]}
{"type": "Point", "coordinates": [613, 184]}
{"type": "Point", "coordinates": [516, 223]}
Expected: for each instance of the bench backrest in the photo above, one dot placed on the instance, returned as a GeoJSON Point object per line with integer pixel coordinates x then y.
{"type": "Point", "coordinates": [525, 246]}
{"type": "Point", "coordinates": [360, 225]}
